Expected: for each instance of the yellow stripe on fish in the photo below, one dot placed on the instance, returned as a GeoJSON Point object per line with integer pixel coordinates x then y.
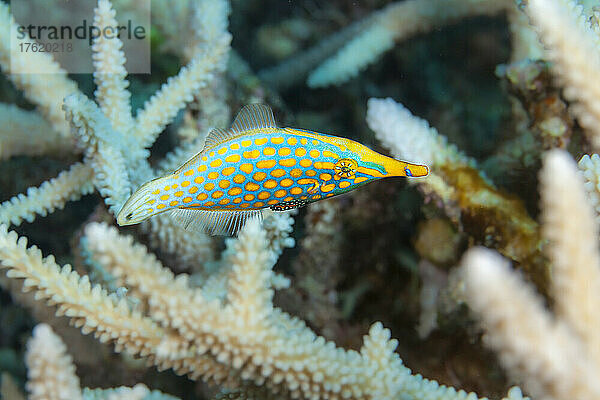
{"type": "Point", "coordinates": [256, 165]}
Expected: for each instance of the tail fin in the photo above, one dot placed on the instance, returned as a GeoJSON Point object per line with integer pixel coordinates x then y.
{"type": "Point", "coordinates": [140, 205]}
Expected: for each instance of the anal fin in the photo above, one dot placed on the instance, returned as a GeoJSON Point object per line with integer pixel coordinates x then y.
{"type": "Point", "coordinates": [213, 222]}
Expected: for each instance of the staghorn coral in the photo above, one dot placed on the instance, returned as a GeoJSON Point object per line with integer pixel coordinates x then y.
{"type": "Point", "coordinates": [489, 215]}
{"type": "Point", "coordinates": [556, 355]}
{"type": "Point", "coordinates": [52, 374]}
{"type": "Point", "coordinates": [220, 323]}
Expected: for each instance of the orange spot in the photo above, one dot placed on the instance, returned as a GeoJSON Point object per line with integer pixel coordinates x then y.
{"type": "Point", "coordinates": [324, 165]}
{"type": "Point", "coordinates": [189, 172]}
{"type": "Point", "coordinates": [239, 178]}
{"type": "Point", "coordinates": [234, 191]}
{"type": "Point", "coordinates": [266, 164]}
{"type": "Point", "coordinates": [233, 158]}
{"type": "Point", "coordinates": [151, 201]}
{"type": "Point", "coordinates": [259, 204]}
{"type": "Point", "coordinates": [344, 184]}
{"type": "Point", "coordinates": [305, 181]}
{"type": "Point", "coordinates": [264, 195]}
{"type": "Point", "coordinates": [315, 142]}
{"type": "Point", "coordinates": [316, 197]}
{"type": "Point", "coordinates": [303, 197]}
{"type": "Point", "coordinates": [160, 206]}
{"type": "Point", "coordinates": [327, 153]}
{"type": "Point", "coordinates": [305, 162]}
{"type": "Point", "coordinates": [280, 193]}
{"type": "Point", "coordinates": [295, 190]}
{"type": "Point", "coordinates": [157, 191]}
{"type": "Point", "coordinates": [251, 154]}
{"type": "Point", "coordinates": [201, 196]}
{"type": "Point", "coordinates": [259, 176]}
{"type": "Point", "coordinates": [261, 141]}
{"type": "Point", "coordinates": [164, 197]}
{"type": "Point", "coordinates": [193, 189]}
{"type": "Point", "coordinates": [288, 198]}
{"type": "Point", "coordinates": [329, 194]}
{"type": "Point", "coordinates": [178, 194]}
{"type": "Point", "coordinates": [295, 173]}
{"type": "Point", "coordinates": [187, 199]}
{"type": "Point", "coordinates": [227, 171]}
{"type": "Point", "coordinates": [167, 188]}
{"type": "Point", "coordinates": [204, 158]}
{"type": "Point", "coordinates": [277, 140]}
{"type": "Point", "coordinates": [224, 184]}
{"type": "Point", "coordinates": [292, 141]}
{"type": "Point", "coordinates": [272, 201]}
{"type": "Point", "coordinates": [270, 184]}
{"type": "Point", "coordinates": [245, 205]}
{"type": "Point", "coordinates": [217, 194]}
{"type": "Point", "coordinates": [286, 182]}
{"type": "Point", "coordinates": [268, 151]}
{"type": "Point", "coordinates": [213, 175]}
{"type": "Point", "coordinates": [287, 162]}
{"type": "Point", "coordinates": [223, 202]}
{"type": "Point", "coordinates": [249, 197]}
{"type": "Point", "coordinates": [325, 177]}
{"type": "Point", "coordinates": [199, 179]}
{"type": "Point", "coordinates": [246, 143]}
{"type": "Point", "coordinates": [222, 150]}
{"type": "Point", "coordinates": [202, 168]}
{"type": "Point", "coordinates": [211, 154]}
{"type": "Point", "coordinates": [284, 151]}
{"type": "Point", "coordinates": [209, 204]}
{"type": "Point", "coordinates": [314, 153]}
{"type": "Point", "coordinates": [327, 188]}
{"type": "Point", "coordinates": [237, 200]}
{"type": "Point", "coordinates": [247, 168]}
{"type": "Point", "coordinates": [174, 203]}
{"type": "Point", "coordinates": [360, 179]}
{"type": "Point", "coordinates": [251, 186]}
{"type": "Point", "coordinates": [278, 173]}
{"type": "Point", "coordinates": [229, 206]}
{"type": "Point", "coordinates": [174, 186]}
{"type": "Point", "coordinates": [209, 186]}
{"type": "Point", "coordinates": [234, 146]}
{"type": "Point", "coordinates": [311, 172]}
{"type": "Point", "coordinates": [300, 152]}
{"type": "Point", "coordinates": [216, 163]}
{"type": "Point", "coordinates": [303, 141]}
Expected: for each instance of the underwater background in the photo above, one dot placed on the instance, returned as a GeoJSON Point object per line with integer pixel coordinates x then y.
{"type": "Point", "coordinates": [389, 251]}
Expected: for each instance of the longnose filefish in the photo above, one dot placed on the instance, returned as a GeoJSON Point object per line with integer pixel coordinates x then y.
{"type": "Point", "coordinates": [256, 165]}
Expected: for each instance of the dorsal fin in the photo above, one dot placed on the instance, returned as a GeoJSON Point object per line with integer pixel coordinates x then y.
{"type": "Point", "coordinates": [216, 137]}
{"type": "Point", "coordinates": [214, 222]}
{"type": "Point", "coordinates": [252, 116]}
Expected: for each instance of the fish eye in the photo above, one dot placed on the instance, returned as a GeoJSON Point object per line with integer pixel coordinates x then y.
{"type": "Point", "coordinates": [407, 171]}
{"type": "Point", "coordinates": [345, 168]}
{"type": "Point", "coordinates": [129, 215]}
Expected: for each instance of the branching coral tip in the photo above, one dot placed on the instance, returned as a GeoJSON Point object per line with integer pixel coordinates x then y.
{"type": "Point", "coordinates": [257, 165]}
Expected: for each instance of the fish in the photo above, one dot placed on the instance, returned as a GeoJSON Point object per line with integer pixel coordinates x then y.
{"type": "Point", "coordinates": [256, 165]}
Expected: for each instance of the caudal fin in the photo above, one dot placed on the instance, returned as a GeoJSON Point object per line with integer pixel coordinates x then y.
{"type": "Point", "coordinates": [141, 204]}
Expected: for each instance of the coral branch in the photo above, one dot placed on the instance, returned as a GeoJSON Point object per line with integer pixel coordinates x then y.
{"type": "Point", "coordinates": [573, 47]}
{"type": "Point", "coordinates": [51, 370]}
{"type": "Point", "coordinates": [69, 185]}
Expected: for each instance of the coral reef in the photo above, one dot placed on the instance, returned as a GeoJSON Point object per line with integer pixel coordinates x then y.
{"type": "Point", "coordinates": [171, 313]}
